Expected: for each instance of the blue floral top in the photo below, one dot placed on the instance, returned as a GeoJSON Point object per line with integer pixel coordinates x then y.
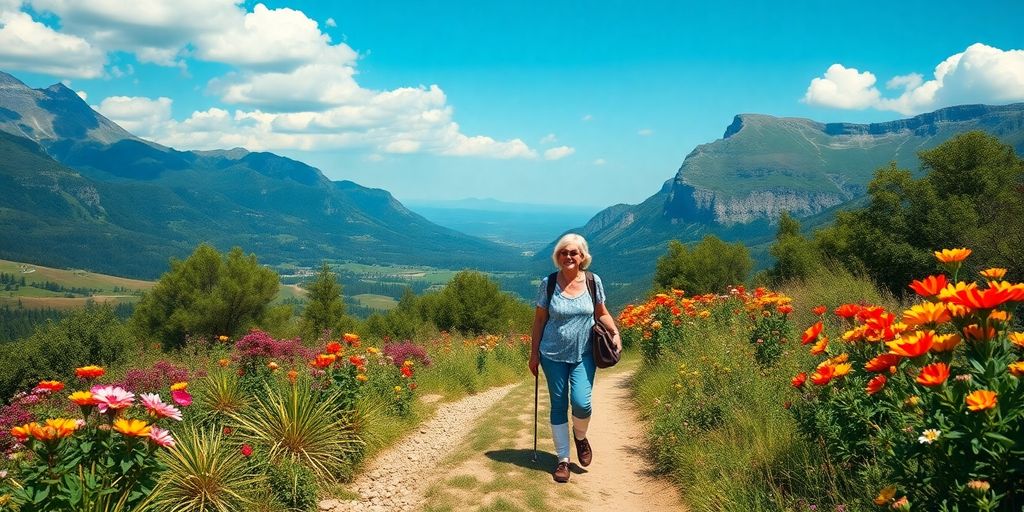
{"type": "Point", "coordinates": [566, 336]}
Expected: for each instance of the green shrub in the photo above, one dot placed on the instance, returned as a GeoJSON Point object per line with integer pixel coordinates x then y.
{"type": "Point", "coordinates": [293, 485]}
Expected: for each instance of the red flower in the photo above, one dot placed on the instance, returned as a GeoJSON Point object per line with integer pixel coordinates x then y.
{"type": "Point", "coordinates": [785, 309]}
{"type": "Point", "coordinates": [882, 363]}
{"type": "Point", "coordinates": [933, 375]}
{"type": "Point", "coordinates": [819, 310]}
{"type": "Point", "coordinates": [246, 450]}
{"type": "Point", "coordinates": [406, 371]}
{"type": "Point", "coordinates": [847, 310]}
{"type": "Point", "coordinates": [876, 384]}
{"type": "Point", "coordinates": [929, 286]}
{"type": "Point", "coordinates": [798, 381]}
{"type": "Point", "coordinates": [811, 333]}
{"type": "Point", "coordinates": [333, 347]}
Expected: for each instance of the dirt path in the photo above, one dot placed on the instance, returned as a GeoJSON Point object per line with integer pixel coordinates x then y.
{"type": "Point", "coordinates": [491, 466]}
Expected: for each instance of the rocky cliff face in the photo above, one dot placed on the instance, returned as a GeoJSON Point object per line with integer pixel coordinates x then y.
{"type": "Point", "coordinates": [767, 204]}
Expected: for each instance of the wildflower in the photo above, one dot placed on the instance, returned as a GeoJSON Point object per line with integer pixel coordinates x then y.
{"type": "Point", "coordinates": [785, 309]}
{"type": "Point", "coordinates": [161, 437]}
{"type": "Point", "coordinates": [952, 255]}
{"type": "Point", "coordinates": [412, 386]}
{"type": "Point", "coordinates": [227, 431]}
{"type": "Point", "coordinates": [933, 375]}
{"type": "Point", "coordinates": [875, 384]}
{"type": "Point", "coordinates": [351, 339]}
{"type": "Point", "coordinates": [902, 504]}
{"type": "Point", "coordinates": [181, 397]}
{"type": "Point", "coordinates": [132, 428]}
{"type": "Point", "coordinates": [1017, 338]}
{"type": "Point", "coordinates": [981, 400]}
{"type": "Point", "coordinates": [223, 338]}
{"type": "Point", "coordinates": [798, 381]}
{"type": "Point", "coordinates": [656, 325]}
{"type": "Point", "coordinates": [324, 360]}
{"type": "Point", "coordinates": [53, 386]}
{"type": "Point", "coordinates": [292, 376]}
{"type": "Point", "coordinates": [882, 362]}
{"type": "Point", "coordinates": [83, 398]}
{"type": "Point", "coordinates": [156, 407]}
{"type": "Point", "coordinates": [406, 371]}
{"type": "Point", "coordinates": [398, 389]}
{"type": "Point", "coordinates": [1017, 369]}
{"type": "Point", "coordinates": [926, 313]}
{"type": "Point", "coordinates": [822, 375]}
{"type": "Point", "coordinates": [819, 310]}
{"type": "Point", "coordinates": [223, 363]}
{"type": "Point", "coordinates": [178, 386]}
{"type": "Point", "coordinates": [333, 347]}
{"type": "Point", "coordinates": [847, 310]}
{"type": "Point", "coordinates": [357, 360]}
{"type": "Point", "coordinates": [987, 298]}
{"type": "Point", "coordinates": [929, 436]}
{"type": "Point", "coordinates": [112, 398]}
{"type": "Point", "coordinates": [912, 400]}
{"type": "Point", "coordinates": [820, 346]}
{"type": "Point", "coordinates": [246, 450]}
{"type": "Point", "coordinates": [362, 377]}
{"type": "Point", "coordinates": [974, 332]}
{"type": "Point", "coordinates": [929, 286]}
{"type": "Point", "coordinates": [23, 432]}
{"type": "Point", "coordinates": [811, 334]}
{"type": "Point", "coordinates": [993, 274]}
{"type": "Point", "coordinates": [914, 345]}
{"type": "Point", "coordinates": [372, 350]}
{"type": "Point", "coordinates": [885, 495]}
{"type": "Point", "coordinates": [945, 343]}
{"type": "Point", "coordinates": [56, 428]}
{"type": "Point", "coordinates": [979, 486]}
{"type": "Point", "coordinates": [273, 366]}
{"type": "Point", "coordinates": [89, 372]}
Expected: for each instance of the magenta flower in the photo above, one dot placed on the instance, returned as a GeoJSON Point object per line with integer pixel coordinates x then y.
{"type": "Point", "coordinates": [181, 397]}
{"type": "Point", "coordinates": [112, 397]}
{"type": "Point", "coordinates": [156, 406]}
{"type": "Point", "coordinates": [161, 437]}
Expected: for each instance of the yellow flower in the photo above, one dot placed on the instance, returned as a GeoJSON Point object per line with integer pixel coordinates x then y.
{"type": "Point", "coordinates": [398, 389]}
{"type": "Point", "coordinates": [178, 386]}
{"type": "Point", "coordinates": [981, 400]}
{"type": "Point", "coordinates": [926, 313]}
{"type": "Point", "coordinates": [132, 428]}
{"type": "Point", "coordinates": [1017, 338]}
{"type": "Point", "coordinates": [362, 377]}
{"type": "Point", "coordinates": [1017, 369]}
{"type": "Point", "coordinates": [993, 273]}
{"type": "Point", "coordinates": [952, 255]}
{"type": "Point", "coordinates": [885, 495]}
{"type": "Point", "coordinates": [946, 342]}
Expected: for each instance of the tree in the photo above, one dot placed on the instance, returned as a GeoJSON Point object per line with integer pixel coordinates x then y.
{"type": "Point", "coordinates": [325, 309]}
{"type": "Point", "coordinates": [207, 295]}
{"type": "Point", "coordinates": [971, 197]}
{"type": "Point", "coordinates": [474, 304]}
{"type": "Point", "coordinates": [709, 267]}
{"type": "Point", "coordinates": [795, 256]}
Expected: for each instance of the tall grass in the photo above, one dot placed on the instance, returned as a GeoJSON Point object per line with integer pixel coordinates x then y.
{"type": "Point", "coordinates": [718, 422]}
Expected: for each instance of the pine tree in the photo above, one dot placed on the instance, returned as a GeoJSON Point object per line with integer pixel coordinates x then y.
{"type": "Point", "coordinates": [325, 308]}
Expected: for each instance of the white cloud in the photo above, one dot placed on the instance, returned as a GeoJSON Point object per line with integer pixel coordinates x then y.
{"type": "Point", "coordinates": [139, 115]}
{"type": "Point", "coordinates": [645, 132]}
{"type": "Point", "coordinates": [843, 87]}
{"type": "Point", "coordinates": [82, 94]}
{"type": "Point", "coordinates": [600, 161]}
{"type": "Point", "coordinates": [331, 23]}
{"type": "Point", "coordinates": [558, 153]}
{"type": "Point", "coordinates": [979, 74]}
{"type": "Point", "coordinates": [587, 118]}
{"type": "Point", "coordinates": [549, 139]}
{"type": "Point", "coordinates": [28, 45]}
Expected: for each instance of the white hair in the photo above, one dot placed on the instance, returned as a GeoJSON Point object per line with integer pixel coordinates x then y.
{"type": "Point", "coordinates": [573, 238]}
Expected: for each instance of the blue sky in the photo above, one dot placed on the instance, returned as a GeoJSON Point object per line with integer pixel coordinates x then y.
{"type": "Point", "coordinates": [584, 103]}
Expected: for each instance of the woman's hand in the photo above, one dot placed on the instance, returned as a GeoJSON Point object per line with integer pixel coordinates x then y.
{"type": "Point", "coordinates": [617, 340]}
{"type": "Point", "coordinates": [534, 363]}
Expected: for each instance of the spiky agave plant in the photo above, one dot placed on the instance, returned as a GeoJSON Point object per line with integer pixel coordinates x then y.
{"type": "Point", "coordinates": [307, 426]}
{"type": "Point", "coordinates": [205, 474]}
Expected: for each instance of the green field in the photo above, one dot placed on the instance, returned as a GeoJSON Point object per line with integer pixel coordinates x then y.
{"type": "Point", "coordinates": [72, 278]}
{"type": "Point", "coordinates": [376, 301]}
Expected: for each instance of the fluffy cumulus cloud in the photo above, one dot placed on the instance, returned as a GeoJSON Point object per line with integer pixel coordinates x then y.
{"type": "Point", "coordinates": [289, 85]}
{"type": "Point", "coordinates": [979, 74]}
{"type": "Point", "coordinates": [26, 44]}
{"type": "Point", "coordinates": [558, 153]}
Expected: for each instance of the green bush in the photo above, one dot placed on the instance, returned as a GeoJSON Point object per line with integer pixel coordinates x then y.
{"type": "Point", "coordinates": [293, 485]}
{"type": "Point", "coordinates": [708, 267]}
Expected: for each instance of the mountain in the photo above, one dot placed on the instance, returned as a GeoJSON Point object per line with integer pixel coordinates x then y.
{"type": "Point", "coordinates": [80, 191]}
{"type": "Point", "coordinates": [736, 187]}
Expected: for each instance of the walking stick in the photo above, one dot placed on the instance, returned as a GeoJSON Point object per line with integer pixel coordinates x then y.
{"type": "Point", "coordinates": [536, 383]}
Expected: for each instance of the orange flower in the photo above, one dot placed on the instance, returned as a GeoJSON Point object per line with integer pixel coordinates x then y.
{"type": "Point", "coordinates": [999, 316]}
{"type": "Point", "coordinates": [351, 339]}
{"type": "Point", "coordinates": [333, 347]}
{"type": "Point", "coordinates": [273, 366]}
{"type": "Point", "coordinates": [885, 495]}
{"type": "Point", "coordinates": [822, 375]}
{"type": "Point", "coordinates": [993, 274]}
{"type": "Point", "coordinates": [820, 346]}
{"type": "Point", "coordinates": [1017, 338]}
{"type": "Point", "coordinates": [222, 338]}
{"type": "Point", "coordinates": [841, 370]}
{"type": "Point", "coordinates": [882, 362]}
{"type": "Point", "coordinates": [292, 376]}
{"type": "Point", "coordinates": [841, 358]}
{"type": "Point", "coordinates": [324, 360]}
{"type": "Point", "coordinates": [811, 333]}
{"type": "Point", "coordinates": [223, 362]}
{"type": "Point", "coordinates": [83, 398]}
{"type": "Point", "coordinates": [357, 360]}
{"type": "Point", "coordinates": [362, 377]}
{"type": "Point", "coordinates": [54, 386]}
{"type": "Point", "coordinates": [132, 428]}
{"type": "Point", "coordinates": [933, 375]}
{"type": "Point", "coordinates": [975, 333]}
{"type": "Point", "coordinates": [798, 381]}
{"type": "Point", "coordinates": [89, 372]}
{"type": "Point", "coordinates": [56, 428]}
{"type": "Point", "coordinates": [179, 386]}
{"type": "Point", "coordinates": [926, 313]}
{"type": "Point", "coordinates": [946, 343]}
{"type": "Point", "coordinates": [23, 432]}
{"type": "Point", "coordinates": [1017, 369]}
{"type": "Point", "coordinates": [981, 400]}
{"type": "Point", "coordinates": [929, 286]}
{"type": "Point", "coordinates": [988, 298]}
{"type": "Point", "coordinates": [819, 310]}
{"type": "Point", "coordinates": [855, 334]}
{"type": "Point", "coordinates": [952, 255]}
{"type": "Point", "coordinates": [847, 310]}
{"type": "Point", "coordinates": [876, 384]}
{"type": "Point", "coordinates": [916, 344]}
{"type": "Point", "coordinates": [785, 309]}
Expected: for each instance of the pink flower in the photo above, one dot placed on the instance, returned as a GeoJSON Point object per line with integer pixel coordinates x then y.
{"type": "Point", "coordinates": [246, 450]}
{"type": "Point", "coordinates": [112, 397]}
{"type": "Point", "coordinates": [181, 397]}
{"type": "Point", "coordinates": [156, 406]}
{"type": "Point", "coordinates": [161, 437]}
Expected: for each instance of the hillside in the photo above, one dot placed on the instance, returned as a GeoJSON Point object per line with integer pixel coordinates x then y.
{"type": "Point", "coordinates": [85, 193]}
{"type": "Point", "coordinates": [737, 186]}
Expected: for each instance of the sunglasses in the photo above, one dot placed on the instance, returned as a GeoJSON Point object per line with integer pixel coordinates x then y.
{"type": "Point", "coordinates": [572, 253]}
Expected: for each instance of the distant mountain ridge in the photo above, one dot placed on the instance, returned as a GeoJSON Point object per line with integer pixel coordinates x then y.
{"type": "Point", "coordinates": [736, 187]}
{"type": "Point", "coordinates": [81, 191]}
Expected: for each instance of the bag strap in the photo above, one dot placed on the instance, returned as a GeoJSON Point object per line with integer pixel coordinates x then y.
{"type": "Point", "coordinates": [592, 288]}
{"type": "Point", "coordinates": [552, 280]}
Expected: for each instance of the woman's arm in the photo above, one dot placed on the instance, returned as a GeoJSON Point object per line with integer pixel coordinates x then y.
{"type": "Point", "coordinates": [540, 317]}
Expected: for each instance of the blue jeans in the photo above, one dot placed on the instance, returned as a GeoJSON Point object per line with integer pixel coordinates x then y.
{"type": "Point", "coordinates": [569, 382]}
